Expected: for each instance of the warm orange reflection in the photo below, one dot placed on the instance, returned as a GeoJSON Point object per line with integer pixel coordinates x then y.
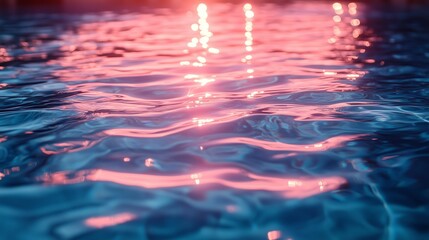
{"type": "Point", "coordinates": [287, 187]}
{"type": "Point", "coordinates": [108, 221]}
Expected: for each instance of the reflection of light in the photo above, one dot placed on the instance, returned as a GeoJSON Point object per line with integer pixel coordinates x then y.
{"type": "Point", "coordinates": [337, 31]}
{"type": "Point", "coordinates": [249, 14]}
{"type": "Point", "coordinates": [213, 50]}
{"type": "Point", "coordinates": [352, 8]}
{"type": "Point", "coordinates": [318, 145]}
{"type": "Point", "coordinates": [352, 76]}
{"type": "Point", "coordinates": [107, 221]}
{"type": "Point", "coordinates": [247, 7]}
{"type": "Point", "coordinates": [202, 122]}
{"type": "Point", "coordinates": [248, 43]}
{"type": "Point", "coordinates": [191, 76]}
{"type": "Point", "coordinates": [227, 177]}
{"type": "Point", "coordinates": [338, 8]}
{"type": "Point", "coordinates": [192, 44]}
{"type": "Point", "coordinates": [346, 30]}
{"type": "Point", "coordinates": [194, 27]}
{"type": "Point", "coordinates": [204, 40]}
{"type": "Point", "coordinates": [337, 18]}
{"type": "Point", "coordinates": [355, 22]}
{"type": "Point", "coordinates": [328, 73]}
{"type": "Point", "coordinates": [254, 93]}
{"type": "Point", "coordinates": [203, 25]}
{"type": "Point", "coordinates": [294, 183]}
{"type": "Point", "coordinates": [352, 5]}
{"type": "Point", "coordinates": [312, 50]}
{"type": "Point", "coordinates": [201, 59]}
{"type": "Point", "coordinates": [356, 33]}
{"type": "Point", "coordinates": [204, 81]}
{"type": "Point", "coordinates": [329, 143]}
{"type": "Point", "coordinates": [321, 185]}
{"type": "Point", "coordinates": [126, 159]}
{"type": "Point", "coordinates": [149, 162]}
{"type": "Point", "coordinates": [274, 235]}
{"type": "Point", "coordinates": [196, 177]}
{"type": "Point", "coordinates": [4, 56]}
{"type": "Point", "coordinates": [197, 64]}
{"type": "Point", "coordinates": [248, 26]}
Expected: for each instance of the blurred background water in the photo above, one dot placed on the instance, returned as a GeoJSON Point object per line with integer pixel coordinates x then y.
{"type": "Point", "coordinates": [281, 120]}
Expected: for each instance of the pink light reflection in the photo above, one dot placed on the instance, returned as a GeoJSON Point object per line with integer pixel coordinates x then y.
{"type": "Point", "coordinates": [213, 48]}
{"type": "Point", "coordinates": [108, 221]}
{"type": "Point", "coordinates": [274, 235]}
{"type": "Point", "coordinates": [280, 146]}
{"type": "Point", "coordinates": [3, 139]}
{"type": "Point", "coordinates": [286, 187]}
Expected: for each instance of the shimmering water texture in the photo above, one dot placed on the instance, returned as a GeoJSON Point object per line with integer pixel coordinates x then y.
{"type": "Point", "coordinates": [216, 121]}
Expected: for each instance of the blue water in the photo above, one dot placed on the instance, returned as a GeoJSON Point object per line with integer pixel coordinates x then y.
{"type": "Point", "coordinates": [305, 120]}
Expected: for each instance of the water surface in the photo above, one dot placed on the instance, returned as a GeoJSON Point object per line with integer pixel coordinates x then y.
{"type": "Point", "coordinates": [304, 120]}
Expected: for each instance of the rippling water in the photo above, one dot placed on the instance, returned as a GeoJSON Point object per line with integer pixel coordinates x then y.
{"type": "Point", "coordinates": [215, 121]}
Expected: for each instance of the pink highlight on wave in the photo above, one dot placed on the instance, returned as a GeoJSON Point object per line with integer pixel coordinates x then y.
{"type": "Point", "coordinates": [286, 187]}
{"type": "Point", "coordinates": [108, 221]}
{"type": "Point", "coordinates": [280, 146]}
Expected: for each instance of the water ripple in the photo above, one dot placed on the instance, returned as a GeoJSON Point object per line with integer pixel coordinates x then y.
{"type": "Point", "coordinates": [295, 120]}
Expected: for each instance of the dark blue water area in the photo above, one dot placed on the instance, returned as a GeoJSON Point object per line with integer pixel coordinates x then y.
{"type": "Point", "coordinates": [216, 121]}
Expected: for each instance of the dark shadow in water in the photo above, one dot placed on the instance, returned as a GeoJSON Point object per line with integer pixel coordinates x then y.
{"type": "Point", "coordinates": [396, 80]}
{"type": "Point", "coordinates": [29, 92]}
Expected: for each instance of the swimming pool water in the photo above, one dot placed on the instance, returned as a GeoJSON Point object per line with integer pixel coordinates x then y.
{"type": "Point", "coordinates": [303, 120]}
